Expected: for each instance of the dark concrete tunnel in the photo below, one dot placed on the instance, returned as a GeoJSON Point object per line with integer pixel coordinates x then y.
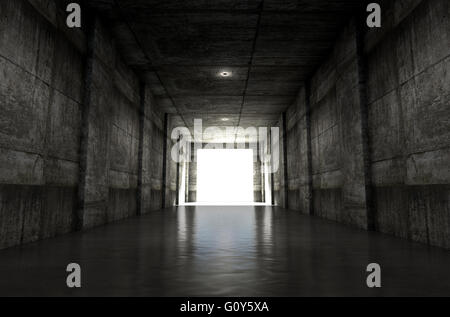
{"type": "Point", "coordinates": [346, 128]}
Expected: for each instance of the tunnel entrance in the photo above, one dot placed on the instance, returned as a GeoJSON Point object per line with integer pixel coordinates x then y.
{"type": "Point", "coordinates": [225, 176]}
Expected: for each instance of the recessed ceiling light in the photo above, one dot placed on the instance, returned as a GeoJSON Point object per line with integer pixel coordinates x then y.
{"type": "Point", "coordinates": [225, 74]}
{"type": "Point", "coordinates": [225, 119]}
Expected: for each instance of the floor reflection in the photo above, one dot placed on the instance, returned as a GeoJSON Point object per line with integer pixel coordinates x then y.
{"type": "Point", "coordinates": [224, 251]}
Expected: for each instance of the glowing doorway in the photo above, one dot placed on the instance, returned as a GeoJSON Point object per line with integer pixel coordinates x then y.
{"type": "Point", "coordinates": [225, 176]}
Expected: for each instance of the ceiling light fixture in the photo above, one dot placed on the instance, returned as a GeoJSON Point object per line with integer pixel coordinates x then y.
{"type": "Point", "coordinates": [225, 119]}
{"type": "Point", "coordinates": [225, 74]}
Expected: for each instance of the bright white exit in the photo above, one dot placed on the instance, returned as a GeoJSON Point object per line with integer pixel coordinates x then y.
{"type": "Point", "coordinates": [225, 176]}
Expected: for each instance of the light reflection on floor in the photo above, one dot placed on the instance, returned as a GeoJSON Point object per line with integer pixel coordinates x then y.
{"type": "Point", "coordinates": [225, 251]}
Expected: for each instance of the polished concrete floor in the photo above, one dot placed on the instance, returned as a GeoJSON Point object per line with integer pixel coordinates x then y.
{"type": "Point", "coordinates": [225, 251]}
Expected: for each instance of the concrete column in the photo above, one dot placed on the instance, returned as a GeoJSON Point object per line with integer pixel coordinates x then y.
{"type": "Point", "coordinates": [164, 176]}
{"type": "Point", "coordinates": [271, 174]}
{"type": "Point", "coordinates": [90, 21]}
{"type": "Point", "coordinates": [309, 190]}
{"type": "Point", "coordinates": [363, 103]}
{"type": "Point", "coordinates": [139, 202]}
{"type": "Point", "coordinates": [187, 166]}
{"type": "Point", "coordinates": [177, 199]}
{"type": "Point", "coordinates": [93, 195]}
{"type": "Point", "coordinates": [261, 171]}
{"type": "Point", "coordinates": [285, 166]}
{"type": "Point", "coordinates": [351, 102]}
{"type": "Point", "coordinates": [257, 173]}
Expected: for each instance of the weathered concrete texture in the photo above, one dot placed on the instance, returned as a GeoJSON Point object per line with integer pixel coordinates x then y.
{"type": "Point", "coordinates": [171, 187]}
{"type": "Point", "coordinates": [297, 158]}
{"type": "Point", "coordinates": [328, 204]}
{"type": "Point", "coordinates": [419, 213]}
{"type": "Point", "coordinates": [336, 139]}
{"type": "Point", "coordinates": [278, 176]}
{"type": "Point", "coordinates": [183, 46]}
{"type": "Point", "coordinates": [121, 204]}
{"type": "Point", "coordinates": [151, 198]}
{"type": "Point", "coordinates": [192, 177]}
{"type": "Point", "coordinates": [191, 189]}
{"type": "Point", "coordinates": [40, 107]}
{"type": "Point", "coordinates": [31, 213]}
{"type": "Point", "coordinates": [409, 94]}
{"type": "Point", "coordinates": [41, 100]}
{"type": "Point", "coordinates": [68, 129]}
{"type": "Point", "coordinates": [258, 188]}
{"type": "Point", "coordinates": [114, 120]}
{"type": "Point", "coordinates": [40, 97]}
{"type": "Point", "coordinates": [170, 182]}
{"type": "Point", "coordinates": [156, 160]}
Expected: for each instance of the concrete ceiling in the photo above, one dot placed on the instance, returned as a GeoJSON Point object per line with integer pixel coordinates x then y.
{"type": "Point", "coordinates": [270, 47]}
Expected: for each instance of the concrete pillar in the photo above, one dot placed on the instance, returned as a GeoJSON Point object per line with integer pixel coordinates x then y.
{"type": "Point", "coordinates": [85, 112]}
{"type": "Point", "coordinates": [350, 104]}
{"type": "Point", "coordinates": [164, 167]}
{"type": "Point", "coordinates": [309, 189]}
{"type": "Point", "coordinates": [363, 104]}
{"type": "Point", "coordinates": [93, 195]}
{"type": "Point", "coordinates": [284, 179]}
{"type": "Point", "coordinates": [187, 166]}
{"type": "Point", "coordinates": [141, 171]}
{"type": "Point", "coordinates": [177, 199]}
{"type": "Point", "coordinates": [271, 172]}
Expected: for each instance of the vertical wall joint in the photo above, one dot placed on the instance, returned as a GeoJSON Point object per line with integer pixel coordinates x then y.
{"type": "Point", "coordinates": [90, 22]}
{"type": "Point", "coordinates": [363, 101]}
{"type": "Point", "coordinates": [309, 147]}
{"type": "Point", "coordinates": [164, 176]}
{"type": "Point", "coordinates": [178, 176]}
{"type": "Point", "coordinates": [139, 198]}
{"type": "Point", "coordinates": [285, 167]}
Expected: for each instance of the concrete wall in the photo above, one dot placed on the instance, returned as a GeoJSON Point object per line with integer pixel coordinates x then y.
{"type": "Point", "coordinates": [338, 183]}
{"type": "Point", "coordinates": [192, 177]}
{"type": "Point", "coordinates": [278, 179]}
{"type": "Point", "coordinates": [42, 98]}
{"type": "Point", "coordinates": [171, 168]}
{"type": "Point", "coordinates": [406, 97]}
{"type": "Point", "coordinates": [155, 161]}
{"type": "Point", "coordinates": [40, 101]}
{"type": "Point", "coordinates": [297, 158]}
{"type": "Point", "coordinates": [409, 98]}
{"type": "Point", "coordinates": [258, 188]}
